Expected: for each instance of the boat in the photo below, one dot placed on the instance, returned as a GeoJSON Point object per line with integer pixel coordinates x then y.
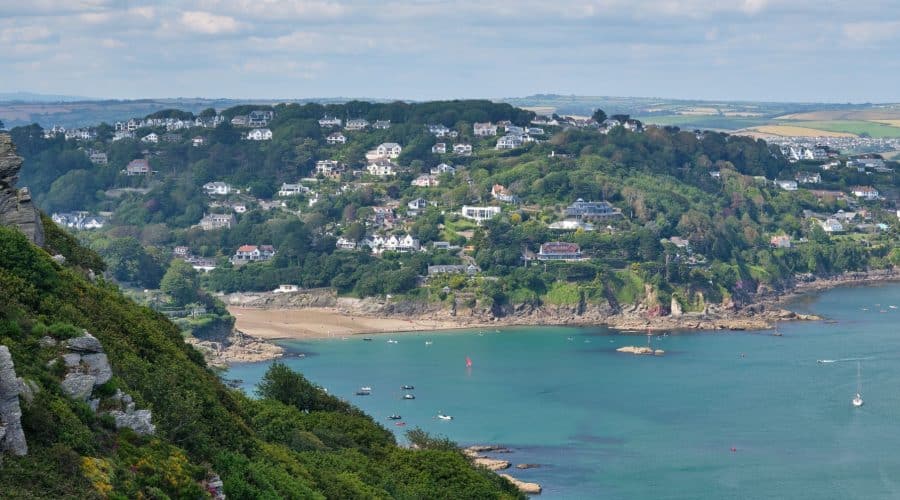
{"type": "Point", "coordinates": [444, 417]}
{"type": "Point", "coordinates": [409, 396]}
{"type": "Point", "coordinates": [394, 417]}
{"type": "Point", "coordinates": [392, 341]}
{"type": "Point", "coordinates": [777, 333]}
{"type": "Point", "coordinates": [428, 342]}
{"type": "Point", "coordinates": [857, 400]}
{"type": "Point", "coordinates": [367, 339]}
{"type": "Point", "coordinates": [468, 362]}
{"type": "Point", "coordinates": [363, 393]}
{"type": "Point", "coordinates": [400, 424]}
{"type": "Point", "coordinates": [365, 388]}
{"type": "Point", "coordinates": [407, 387]}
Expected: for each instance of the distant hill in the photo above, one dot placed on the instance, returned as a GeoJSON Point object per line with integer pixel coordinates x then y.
{"type": "Point", "coordinates": [33, 97]}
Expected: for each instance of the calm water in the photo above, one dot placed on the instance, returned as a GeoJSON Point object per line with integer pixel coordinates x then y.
{"type": "Point", "coordinates": [610, 425]}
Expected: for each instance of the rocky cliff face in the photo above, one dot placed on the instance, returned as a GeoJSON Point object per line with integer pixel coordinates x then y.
{"type": "Point", "coordinates": [12, 437]}
{"type": "Point", "coordinates": [16, 208]}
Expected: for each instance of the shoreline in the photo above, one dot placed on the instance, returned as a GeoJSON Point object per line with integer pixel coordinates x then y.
{"type": "Point", "coordinates": [269, 323]}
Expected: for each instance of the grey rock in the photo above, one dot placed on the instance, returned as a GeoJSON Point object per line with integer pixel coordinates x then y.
{"type": "Point", "coordinates": [72, 359]}
{"type": "Point", "coordinates": [78, 385]}
{"type": "Point", "coordinates": [94, 404]}
{"type": "Point", "coordinates": [126, 398]}
{"type": "Point", "coordinates": [85, 343]}
{"type": "Point", "coordinates": [129, 407]}
{"type": "Point", "coordinates": [59, 259]}
{"type": "Point", "coordinates": [98, 366]}
{"type": "Point", "coordinates": [13, 440]}
{"type": "Point", "coordinates": [16, 207]}
{"type": "Point", "coordinates": [139, 421]}
{"type": "Point", "coordinates": [27, 389]}
{"type": "Point", "coordinates": [47, 341]}
{"type": "Point", "coordinates": [2, 432]}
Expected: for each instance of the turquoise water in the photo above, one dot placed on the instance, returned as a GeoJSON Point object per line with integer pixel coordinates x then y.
{"type": "Point", "coordinates": [611, 425]}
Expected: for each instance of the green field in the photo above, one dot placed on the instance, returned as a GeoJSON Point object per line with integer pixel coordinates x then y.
{"type": "Point", "coordinates": [705, 121]}
{"type": "Point", "coordinates": [872, 129]}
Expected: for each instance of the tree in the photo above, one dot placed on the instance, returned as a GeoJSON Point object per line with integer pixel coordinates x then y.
{"type": "Point", "coordinates": [599, 115]}
{"type": "Point", "coordinates": [180, 283]}
{"type": "Point", "coordinates": [208, 113]}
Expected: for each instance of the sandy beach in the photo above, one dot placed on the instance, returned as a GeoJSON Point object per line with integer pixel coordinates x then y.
{"type": "Point", "coordinates": [313, 323]}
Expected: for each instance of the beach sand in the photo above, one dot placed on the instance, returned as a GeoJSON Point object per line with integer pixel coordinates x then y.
{"type": "Point", "coordinates": [312, 323]}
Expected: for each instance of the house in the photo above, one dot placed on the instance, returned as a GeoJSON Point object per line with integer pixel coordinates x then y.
{"type": "Point", "coordinates": [259, 118]}
{"type": "Point", "coordinates": [581, 209]}
{"type": "Point", "coordinates": [559, 250]}
{"type": "Point", "coordinates": [417, 204]}
{"type": "Point", "coordinates": [571, 225]}
{"type": "Point", "coordinates": [329, 168]}
{"type": "Point", "coordinates": [383, 217]}
{"type": "Point", "coordinates": [462, 149]}
{"type": "Point", "coordinates": [534, 131]}
{"type": "Point", "coordinates": [865, 192]}
{"type": "Point", "coordinates": [832, 225]}
{"type": "Point", "coordinates": [198, 141]}
{"type": "Point", "coordinates": [239, 208]}
{"type": "Point", "coordinates": [471, 269]}
{"type": "Point", "coordinates": [98, 158]}
{"type": "Point", "coordinates": [122, 134]}
{"type": "Point", "coordinates": [345, 244]}
{"type": "Point", "coordinates": [479, 214]}
{"type": "Point", "coordinates": [239, 121]}
{"type": "Point", "coordinates": [326, 122]}
{"type": "Point", "coordinates": [389, 150]}
{"type": "Point", "coordinates": [382, 168]}
{"type": "Point", "coordinates": [181, 251]}
{"type": "Point", "coordinates": [150, 138]}
{"type": "Point", "coordinates": [356, 124]}
{"type": "Point", "coordinates": [292, 189]}
{"type": "Point", "coordinates": [443, 245]}
{"type": "Point", "coordinates": [681, 243]}
{"type": "Point", "coordinates": [425, 180]}
{"type": "Point", "coordinates": [401, 244]}
{"type": "Point", "coordinates": [439, 148]}
{"type": "Point", "coordinates": [381, 124]}
{"type": "Point", "coordinates": [443, 168]}
{"type": "Point", "coordinates": [498, 192]}
{"type": "Point", "coordinates": [510, 142]}
{"type": "Point", "coordinates": [286, 289]}
{"type": "Point", "coordinates": [139, 166]}
{"type": "Point", "coordinates": [438, 130]}
{"type": "Point", "coordinates": [484, 129]}
{"type": "Point", "coordinates": [201, 264]}
{"type": "Point", "coordinates": [171, 137]}
{"type": "Point", "coordinates": [252, 253]}
{"type": "Point", "coordinates": [211, 222]}
{"type": "Point", "coordinates": [336, 138]}
{"type": "Point", "coordinates": [260, 134]}
{"type": "Point", "coordinates": [780, 241]}
{"type": "Point", "coordinates": [809, 178]}
{"type": "Point", "coordinates": [787, 185]}
{"type": "Point", "coordinates": [217, 188]}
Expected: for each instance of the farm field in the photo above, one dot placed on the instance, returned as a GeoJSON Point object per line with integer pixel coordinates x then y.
{"type": "Point", "coordinates": [795, 131]}
{"type": "Point", "coordinates": [855, 127]}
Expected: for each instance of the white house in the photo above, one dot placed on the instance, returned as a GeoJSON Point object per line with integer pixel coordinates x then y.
{"type": "Point", "coordinates": [336, 138]}
{"type": "Point", "coordinates": [438, 130]}
{"type": "Point", "coordinates": [787, 185]}
{"type": "Point", "coordinates": [292, 189]}
{"type": "Point", "coordinates": [484, 129]}
{"type": "Point", "coordinates": [425, 180]}
{"type": "Point", "coordinates": [809, 178]}
{"type": "Point", "coordinates": [259, 134]}
{"type": "Point", "coordinates": [325, 121]}
{"type": "Point", "coordinates": [402, 244]}
{"type": "Point", "coordinates": [286, 289]}
{"type": "Point", "coordinates": [443, 168]}
{"type": "Point", "coordinates": [480, 214]}
{"type": "Point", "coordinates": [217, 188]}
{"type": "Point", "coordinates": [345, 244]}
{"type": "Point", "coordinates": [439, 148]}
{"type": "Point", "coordinates": [151, 137]}
{"type": "Point", "coordinates": [198, 141]}
{"type": "Point", "coordinates": [328, 167]}
{"type": "Point", "coordinates": [462, 149]}
{"type": "Point", "coordinates": [389, 150]}
{"type": "Point", "coordinates": [417, 204]}
{"type": "Point", "coordinates": [865, 192]}
{"type": "Point", "coordinates": [381, 124]}
{"type": "Point", "coordinates": [499, 192]}
{"type": "Point", "coordinates": [252, 253]}
{"type": "Point", "coordinates": [382, 168]}
{"type": "Point", "coordinates": [832, 225]}
{"type": "Point", "coordinates": [510, 142]}
{"type": "Point", "coordinates": [356, 124]}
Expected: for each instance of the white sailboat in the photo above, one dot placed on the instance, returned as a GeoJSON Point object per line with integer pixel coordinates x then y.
{"type": "Point", "coordinates": [857, 400]}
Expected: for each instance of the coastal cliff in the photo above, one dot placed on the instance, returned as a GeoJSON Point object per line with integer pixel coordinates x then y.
{"type": "Point", "coordinates": [16, 207]}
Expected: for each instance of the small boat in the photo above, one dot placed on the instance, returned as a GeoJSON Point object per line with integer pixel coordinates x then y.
{"type": "Point", "coordinates": [367, 339]}
{"type": "Point", "coordinates": [893, 307]}
{"type": "Point", "coordinates": [409, 396]}
{"type": "Point", "coordinates": [857, 400]}
{"type": "Point", "coordinates": [444, 417]}
{"type": "Point", "coordinates": [400, 424]}
{"type": "Point", "coordinates": [777, 333]}
{"type": "Point", "coordinates": [428, 342]}
{"type": "Point", "coordinates": [392, 341]}
{"type": "Point", "coordinates": [407, 387]}
{"type": "Point", "coordinates": [365, 388]}
{"type": "Point", "coordinates": [394, 417]}
{"type": "Point", "coordinates": [363, 393]}
{"type": "Point", "coordinates": [468, 362]}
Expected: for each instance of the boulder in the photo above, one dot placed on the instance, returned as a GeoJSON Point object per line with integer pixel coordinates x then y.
{"type": "Point", "coordinates": [13, 440]}
{"type": "Point", "coordinates": [98, 366]}
{"type": "Point", "coordinates": [86, 343]}
{"type": "Point", "coordinates": [675, 308]}
{"type": "Point", "coordinates": [72, 359]}
{"type": "Point", "coordinates": [491, 463]}
{"type": "Point", "coordinates": [527, 466]}
{"type": "Point", "coordinates": [140, 421]}
{"type": "Point", "coordinates": [78, 385]}
{"type": "Point", "coordinates": [527, 488]}
{"type": "Point", "coordinates": [27, 389]}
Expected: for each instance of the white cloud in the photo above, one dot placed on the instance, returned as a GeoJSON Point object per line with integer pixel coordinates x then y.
{"type": "Point", "coordinates": [207, 23]}
{"type": "Point", "coordinates": [864, 33]}
{"type": "Point", "coordinates": [24, 34]}
{"type": "Point", "coordinates": [277, 10]}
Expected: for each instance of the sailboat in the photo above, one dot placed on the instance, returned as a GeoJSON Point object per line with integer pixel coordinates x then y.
{"type": "Point", "coordinates": [858, 400]}
{"type": "Point", "coordinates": [468, 362]}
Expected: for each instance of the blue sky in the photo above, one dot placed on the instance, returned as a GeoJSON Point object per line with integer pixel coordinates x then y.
{"type": "Point", "coordinates": [779, 50]}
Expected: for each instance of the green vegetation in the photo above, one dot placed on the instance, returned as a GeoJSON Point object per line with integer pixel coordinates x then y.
{"type": "Point", "coordinates": [858, 127]}
{"type": "Point", "coordinates": [296, 441]}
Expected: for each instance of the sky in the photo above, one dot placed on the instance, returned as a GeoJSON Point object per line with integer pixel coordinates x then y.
{"type": "Point", "coordinates": [770, 50]}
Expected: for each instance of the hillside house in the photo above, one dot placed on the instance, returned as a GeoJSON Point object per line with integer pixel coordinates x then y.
{"type": "Point", "coordinates": [181, 252]}
{"type": "Point", "coordinates": [259, 118]}
{"type": "Point", "coordinates": [381, 124]}
{"type": "Point", "coordinates": [865, 192]}
{"type": "Point", "coordinates": [510, 141]}
{"type": "Point", "coordinates": [438, 130]}
{"type": "Point", "coordinates": [436, 270]}
{"type": "Point", "coordinates": [439, 148]}
{"type": "Point", "coordinates": [417, 204]}
{"type": "Point", "coordinates": [259, 134]}
{"type": "Point", "coordinates": [327, 122]}
{"type": "Point", "coordinates": [217, 188]}
{"type": "Point", "coordinates": [443, 168]}
{"type": "Point", "coordinates": [151, 138]}
{"type": "Point", "coordinates": [171, 138]}
{"type": "Point", "coordinates": [382, 217]}
{"type": "Point", "coordinates": [401, 244]}
{"type": "Point", "coordinates": [780, 241]}
{"type": "Point", "coordinates": [462, 149]}
{"type": "Point", "coordinates": [559, 250]}
{"type": "Point", "coordinates": [426, 180]}
{"type": "Point", "coordinates": [252, 253]}
{"type": "Point", "coordinates": [292, 189]}
{"type": "Point", "coordinates": [484, 129]}
{"type": "Point", "coordinates": [382, 168]}
{"type": "Point", "coordinates": [571, 225]}
{"type": "Point", "coordinates": [345, 244]}
{"type": "Point", "coordinates": [581, 209]}
{"type": "Point", "coordinates": [390, 150]}
{"type": "Point", "coordinates": [211, 222]}
{"type": "Point", "coordinates": [198, 141]}
{"type": "Point", "coordinates": [809, 178]}
{"type": "Point", "coordinates": [240, 121]}
{"type": "Point", "coordinates": [336, 138]}
{"type": "Point", "coordinates": [355, 124]}
{"type": "Point", "coordinates": [479, 214]}
{"type": "Point", "coordinates": [98, 158]}
{"type": "Point", "coordinates": [498, 192]}
{"type": "Point", "coordinates": [139, 166]}
{"type": "Point", "coordinates": [329, 168]}
{"type": "Point", "coordinates": [786, 185]}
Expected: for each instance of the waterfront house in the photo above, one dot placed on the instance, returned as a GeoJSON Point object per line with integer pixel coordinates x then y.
{"type": "Point", "coordinates": [286, 289]}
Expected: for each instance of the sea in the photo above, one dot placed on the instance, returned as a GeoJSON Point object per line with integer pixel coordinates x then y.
{"type": "Point", "coordinates": [722, 415]}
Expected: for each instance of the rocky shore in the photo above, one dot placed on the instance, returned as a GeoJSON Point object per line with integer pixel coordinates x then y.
{"type": "Point", "coordinates": [474, 453]}
{"type": "Point", "coordinates": [236, 348]}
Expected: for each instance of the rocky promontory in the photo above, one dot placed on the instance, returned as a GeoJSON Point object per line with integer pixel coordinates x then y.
{"type": "Point", "coordinates": [16, 208]}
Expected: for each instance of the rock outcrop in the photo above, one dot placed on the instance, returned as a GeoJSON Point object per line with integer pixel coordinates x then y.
{"type": "Point", "coordinates": [16, 208]}
{"type": "Point", "coordinates": [491, 463]}
{"type": "Point", "coordinates": [526, 488]}
{"type": "Point", "coordinates": [12, 437]}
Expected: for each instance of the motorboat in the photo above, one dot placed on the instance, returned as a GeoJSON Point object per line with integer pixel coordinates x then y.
{"type": "Point", "coordinates": [367, 339]}
{"type": "Point", "coordinates": [394, 417]}
{"type": "Point", "coordinates": [400, 424]}
{"type": "Point", "coordinates": [857, 400]}
{"type": "Point", "coordinates": [444, 417]}
{"type": "Point", "coordinates": [363, 393]}
{"type": "Point", "coordinates": [409, 396]}
{"type": "Point", "coordinates": [365, 388]}
{"type": "Point", "coordinates": [392, 341]}
{"type": "Point", "coordinates": [407, 387]}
